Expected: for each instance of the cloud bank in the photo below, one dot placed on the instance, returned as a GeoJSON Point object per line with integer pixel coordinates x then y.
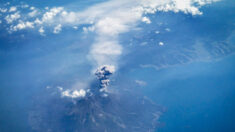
{"type": "Point", "coordinates": [107, 20]}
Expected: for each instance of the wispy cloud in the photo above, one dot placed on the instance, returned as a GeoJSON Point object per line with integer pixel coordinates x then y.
{"type": "Point", "coordinates": [140, 82]}
{"type": "Point", "coordinates": [13, 9]}
{"type": "Point", "coordinates": [57, 29]}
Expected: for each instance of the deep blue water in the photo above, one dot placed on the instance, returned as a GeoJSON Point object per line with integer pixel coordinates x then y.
{"type": "Point", "coordinates": [199, 97]}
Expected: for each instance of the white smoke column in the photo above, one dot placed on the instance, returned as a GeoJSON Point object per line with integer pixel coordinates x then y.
{"type": "Point", "coordinates": [119, 16]}
{"type": "Point", "coordinates": [112, 18]}
{"type": "Point", "coordinates": [105, 52]}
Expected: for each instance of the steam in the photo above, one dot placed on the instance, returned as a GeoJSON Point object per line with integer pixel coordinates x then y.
{"type": "Point", "coordinates": [105, 52]}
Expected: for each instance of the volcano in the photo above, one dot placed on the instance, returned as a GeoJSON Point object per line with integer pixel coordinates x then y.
{"type": "Point", "coordinates": [99, 111]}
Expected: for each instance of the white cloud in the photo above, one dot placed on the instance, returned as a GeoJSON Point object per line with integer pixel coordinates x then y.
{"type": "Point", "coordinates": [118, 16]}
{"type": "Point", "coordinates": [180, 5]}
{"type": "Point", "coordinates": [12, 17]}
{"type": "Point", "coordinates": [110, 26]}
{"type": "Point", "coordinates": [69, 17]}
{"type": "Point", "coordinates": [57, 29]}
{"type": "Point", "coordinates": [3, 10]}
{"type": "Point", "coordinates": [48, 16]}
{"type": "Point", "coordinates": [13, 9]}
{"type": "Point", "coordinates": [23, 25]}
{"type": "Point", "coordinates": [161, 43]}
{"type": "Point", "coordinates": [186, 6]}
{"type": "Point", "coordinates": [74, 93]}
{"type": "Point", "coordinates": [33, 13]}
{"type": "Point", "coordinates": [32, 8]}
{"type": "Point", "coordinates": [37, 21]}
{"type": "Point", "coordinates": [41, 30]}
{"type": "Point", "coordinates": [87, 29]}
{"type": "Point", "coordinates": [146, 20]}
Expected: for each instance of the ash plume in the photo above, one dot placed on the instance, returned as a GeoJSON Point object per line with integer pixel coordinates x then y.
{"type": "Point", "coordinates": [103, 73]}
